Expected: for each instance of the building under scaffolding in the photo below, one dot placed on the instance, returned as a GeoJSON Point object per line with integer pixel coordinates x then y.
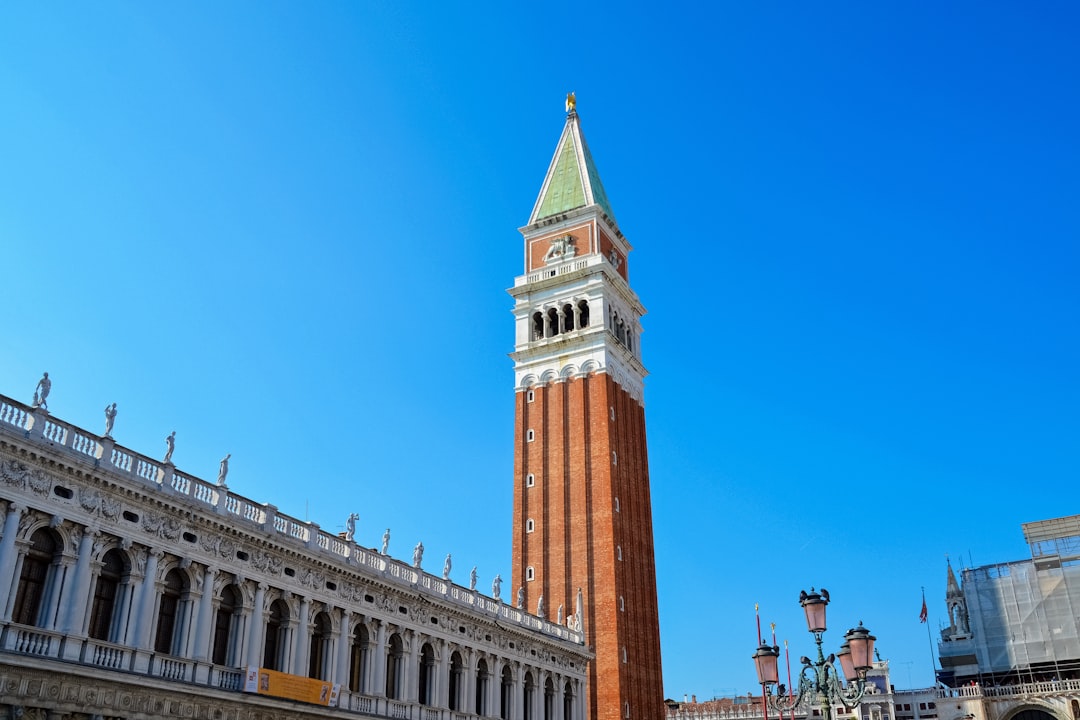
{"type": "Point", "coordinates": [1017, 622]}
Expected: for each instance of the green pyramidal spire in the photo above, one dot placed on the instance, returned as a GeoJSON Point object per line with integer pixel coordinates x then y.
{"type": "Point", "coordinates": [572, 180]}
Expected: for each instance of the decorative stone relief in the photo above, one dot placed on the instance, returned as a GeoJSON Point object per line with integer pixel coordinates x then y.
{"type": "Point", "coordinates": [164, 527]}
{"type": "Point", "coordinates": [267, 562]}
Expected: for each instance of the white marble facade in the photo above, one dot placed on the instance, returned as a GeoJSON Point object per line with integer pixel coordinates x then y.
{"type": "Point", "coordinates": [131, 589]}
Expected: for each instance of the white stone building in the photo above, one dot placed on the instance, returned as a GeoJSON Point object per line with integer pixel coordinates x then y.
{"type": "Point", "coordinates": [130, 589]}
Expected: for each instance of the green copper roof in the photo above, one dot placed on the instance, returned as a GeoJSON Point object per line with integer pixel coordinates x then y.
{"type": "Point", "coordinates": [572, 180]}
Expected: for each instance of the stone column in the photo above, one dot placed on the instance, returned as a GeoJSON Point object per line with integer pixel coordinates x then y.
{"type": "Point", "coordinates": [8, 555]}
{"type": "Point", "coordinates": [252, 657]}
{"type": "Point", "coordinates": [557, 698]}
{"type": "Point", "coordinates": [144, 624]}
{"type": "Point", "coordinates": [411, 676]}
{"type": "Point", "coordinates": [205, 621]}
{"type": "Point", "coordinates": [441, 674]}
{"type": "Point", "coordinates": [59, 580]}
{"type": "Point", "coordinates": [468, 682]}
{"type": "Point", "coordinates": [341, 670]}
{"type": "Point", "coordinates": [75, 600]}
{"type": "Point", "coordinates": [518, 694]}
{"type": "Point", "coordinates": [303, 641]}
{"type": "Point", "coordinates": [378, 663]}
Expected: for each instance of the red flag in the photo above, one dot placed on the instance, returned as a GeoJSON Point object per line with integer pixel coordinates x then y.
{"type": "Point", "coordinates": [922, 613]}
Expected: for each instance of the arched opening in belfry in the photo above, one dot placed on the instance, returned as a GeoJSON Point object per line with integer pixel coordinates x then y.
{"type": "Point", "coordinates": [538, 325]}
{"type": "Point", "coordinates": [567, 317]}
{"type": "Point", "coordinates": [553, 321]}
{"type": "Point", "coordinates": [583, 313]}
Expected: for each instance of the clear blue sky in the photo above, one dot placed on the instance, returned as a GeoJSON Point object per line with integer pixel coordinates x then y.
{"type": "Point", "coordinates": [284, 230]}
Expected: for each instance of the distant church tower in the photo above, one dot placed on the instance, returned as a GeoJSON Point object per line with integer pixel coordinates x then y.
{"type": "Point", "coordinates": [583, 538]}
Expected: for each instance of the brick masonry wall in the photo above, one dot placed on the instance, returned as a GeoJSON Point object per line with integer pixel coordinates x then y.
{"type": "Point", "coordinates": [588, 451]}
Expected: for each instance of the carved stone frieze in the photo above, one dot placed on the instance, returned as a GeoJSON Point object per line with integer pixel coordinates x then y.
{"type": "Point", "coordinates": [266, 562]}
{"type": "Point", "coordinates": [20, 475]}
{"type": "Point", "coordinates": [165, 527]}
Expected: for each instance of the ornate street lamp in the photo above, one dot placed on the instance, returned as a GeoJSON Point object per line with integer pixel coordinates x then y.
{"type": "Point", "coordinates": [819, 680]}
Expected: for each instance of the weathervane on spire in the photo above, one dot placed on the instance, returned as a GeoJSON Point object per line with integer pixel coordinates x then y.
{"type": "Point", "coordinates": [571, 103]}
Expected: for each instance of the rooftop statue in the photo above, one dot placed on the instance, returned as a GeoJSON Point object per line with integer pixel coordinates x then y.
{"type": "Point", "coordinates": [170, 445]}
{"type": "Point", "coordinates": [418, 554]}
{"type": "Point", "coordinates": [110, 419]}
{"type": "Point", "coordinates": [223, 469]}
{"type": "Point", "coordinates": [41, 392]}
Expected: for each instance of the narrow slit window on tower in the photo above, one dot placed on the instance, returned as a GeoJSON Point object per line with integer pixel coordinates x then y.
{"type": "Point", "coordinates": [612, 408]}
{"type": "Point", "coordinates": [622, 604]}
{"type": "Point", "coordinates": [616, 504]}
{"type": "Point", "coordinates": [530, 525]}
{"type": "Point", "coordinates": [530, 480]}
{"type": "Point", "coordinates": [530, 574]}
{"type": "Point", "coordinates": [618, 551]}
{"type": "Point", "coordinates": [624, 658]}
{"type": "Point", "coordinates": [614, 456]}
{"type": "Point", "coordinates": [530, 435]}
{"type": "Point", "coordinates": [530, 396]}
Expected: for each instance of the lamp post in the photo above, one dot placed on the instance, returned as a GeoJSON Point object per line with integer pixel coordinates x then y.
{"type": "Point", "coordinates": [819, 680]}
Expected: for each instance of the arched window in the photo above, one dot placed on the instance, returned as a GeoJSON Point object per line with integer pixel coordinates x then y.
{"type": "Point", "coordinates": [530, 525]}
{"type": "Point", "coordinates": [549, 700]}
{"type": "Point", "coordinates": [171, 613]}
{"type": "Point", "coordinates": [568, 702]}
{"type": "Point", "coordinates": [114, 572]}
{"type": "Point", "coordinates": [225, 622]}
{"type": "Point", "coordinates": [567, 317]}
{"type": "Point", "coordinates": [276, 627]}
{"type": "Point", "coordinates": [318, 662]}
{"type": "Point", "coordinates": [506, 694]}
{"type": "Point", "coordinates": [395, 656]}
{"type": "Point", "coordinates": [528, 696]}
{"type": "Point", "coordinates": [553, 320]}
{"type": "Point", "coordinates": [530, 573]}
{"type": "Point", "coordinates": [425, 676]}
{"type": "Point", "coordinates": [483, 677]}
{"type": "Point", "coordinates": [583, 313]}
{"type": "Point", "coordinates": [537, 326]}
{"type": "Point", "coordinates": [38, 569]}
{"type": "Point", "coordinates": [358, 659]}
{"type": "Point", "coordinates": [457, 676]}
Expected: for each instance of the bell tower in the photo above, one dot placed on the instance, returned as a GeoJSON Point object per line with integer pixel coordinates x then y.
{"type": "Point", "coordinates": [583, 539]}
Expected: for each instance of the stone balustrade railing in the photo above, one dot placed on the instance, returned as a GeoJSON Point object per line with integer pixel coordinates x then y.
{"type": "Point", "coordinates": [36, 424]}
{"type": "Point", "coordinates": [555, 270]}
